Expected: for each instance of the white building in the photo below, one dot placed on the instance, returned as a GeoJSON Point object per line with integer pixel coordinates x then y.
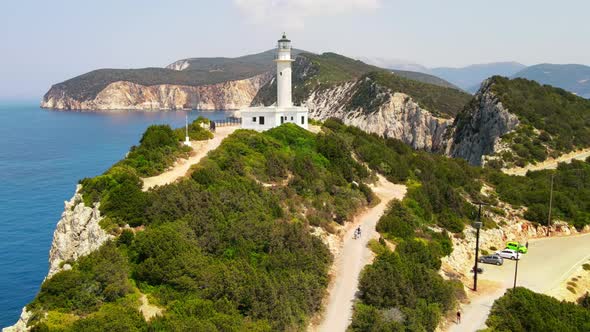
{"type": "Point", "coordinates": [264, 118]}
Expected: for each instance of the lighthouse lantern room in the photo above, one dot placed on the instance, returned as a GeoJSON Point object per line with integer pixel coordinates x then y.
{"type": "Point", "coordinates": [264, 118]}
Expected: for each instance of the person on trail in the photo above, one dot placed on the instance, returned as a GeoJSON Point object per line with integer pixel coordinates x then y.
{"type": "Point", "coordinates": [527, 244]}
{"type": "Point", "coordinates": [358, 231]}
{"type": "Point", "coordinates": [458, 317]}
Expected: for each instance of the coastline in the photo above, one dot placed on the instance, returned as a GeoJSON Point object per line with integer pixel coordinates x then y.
{"type": "Point", "coordinates": [76, 234]}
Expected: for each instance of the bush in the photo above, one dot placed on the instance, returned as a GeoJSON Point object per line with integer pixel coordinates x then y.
{"type": "Point", "coordinates": [158, 150]}
{"type": "Point", "coordinates": [195, 131]}
{"type": "Point", "coordinates": [524, 310]}
{"type": "Point", "coordinates": [97, 278]}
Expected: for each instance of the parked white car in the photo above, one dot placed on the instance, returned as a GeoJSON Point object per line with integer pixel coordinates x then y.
{"type": "Point", "coordinates": [509, 253]}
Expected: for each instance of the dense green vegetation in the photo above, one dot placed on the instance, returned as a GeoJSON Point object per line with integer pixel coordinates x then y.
{"type": "Point", "coordinates": [571, 192]}
{"type": "Point", "coordinates": [220, 251]}
{"type": "Point", "coordinates": [437, 186]}
{"type": "Point", "coordinates": [119, 188]}
{"type": "Point", "coordinates": [441, 101]}
{"type": "Point", "coordinates": [523, 310]}
{"type": "Point", "coordinates": [229, 248]}
{"type": "Point", "coordinates": [552, 120]}
{"type": "Point", "coordinates": [403, 290]}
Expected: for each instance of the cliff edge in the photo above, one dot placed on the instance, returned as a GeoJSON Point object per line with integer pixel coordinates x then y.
{"type": "Point", "coordinates": [77, 233]}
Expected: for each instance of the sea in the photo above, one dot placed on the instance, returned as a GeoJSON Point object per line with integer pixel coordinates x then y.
{"type": "Point", "coordinates": [43, 155]}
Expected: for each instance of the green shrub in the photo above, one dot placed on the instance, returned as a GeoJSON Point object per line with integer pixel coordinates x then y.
{"type": "Point", "coordinates": [195, 131]}
{"type": "Point", "coordinates": [97, 278]}
{"type": "Point", "coordinates": [524, 310]}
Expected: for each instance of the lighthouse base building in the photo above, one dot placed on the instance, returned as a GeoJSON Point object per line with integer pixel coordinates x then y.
{"type": "Point", "coordinates": [264, 118]}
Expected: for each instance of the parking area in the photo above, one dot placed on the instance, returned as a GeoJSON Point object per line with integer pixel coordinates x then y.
{"type": "Point", "coordinates": [548, 263]}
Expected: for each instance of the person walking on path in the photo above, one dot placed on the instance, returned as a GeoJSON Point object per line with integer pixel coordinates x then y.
{"type": "Point", "coordinates": [458, 317]}
{"type": "Point", "coordinates": [527, 245]}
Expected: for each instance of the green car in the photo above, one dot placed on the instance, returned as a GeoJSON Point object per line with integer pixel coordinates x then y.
{"type": "Point", "coordinates": [517, 247]}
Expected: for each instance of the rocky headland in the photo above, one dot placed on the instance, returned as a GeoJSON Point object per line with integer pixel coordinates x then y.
{"type": "Point", "coordinates": [76, 234]}
{"type": "Point", "coordinates": [125, 95]}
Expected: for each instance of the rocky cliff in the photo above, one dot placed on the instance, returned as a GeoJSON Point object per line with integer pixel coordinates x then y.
{"type": "Point", "coordinates": [396, 115]}
{"type": "Point", "coordinates": [477, 130]}
{"type": "Point", "coordinates": [77, 233]}
{"type": "Point", "coordinates": [125, 95]}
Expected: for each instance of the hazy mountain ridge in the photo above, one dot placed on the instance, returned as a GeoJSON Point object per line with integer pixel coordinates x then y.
{"type": "Point", "coordinates": [571, 77]}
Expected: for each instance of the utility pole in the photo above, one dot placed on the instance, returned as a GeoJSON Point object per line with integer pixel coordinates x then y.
{"type": "Point", "coordinates": [516, 266]}
{"type": "Point", "coordinates": [550, 202]}
{"type": "Point", "coordinates": [478, 227]}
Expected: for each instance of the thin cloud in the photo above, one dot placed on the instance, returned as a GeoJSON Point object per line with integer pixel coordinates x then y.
{"type": "Point", "coordinates": [293, 13]}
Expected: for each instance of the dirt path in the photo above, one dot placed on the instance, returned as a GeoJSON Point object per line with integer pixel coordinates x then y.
{"type": "Point", "coordinates": [354, 255]}
{"type": "Point", "coordinates": [549, 164]}
{"type": "Point", "coordinates": [549, 263]}
{"type": "Point", "coordinates": [200, 148]}
{"type": "Point", "coordinates": [148, 310]}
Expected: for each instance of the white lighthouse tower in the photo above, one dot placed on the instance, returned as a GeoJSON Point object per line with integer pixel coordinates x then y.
{"type": "Point", "coordinates": [283, 61]}
{"type": "Point", "coordinates": [264, 118]}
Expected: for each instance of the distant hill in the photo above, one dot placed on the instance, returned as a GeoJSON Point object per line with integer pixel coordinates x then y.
{"type": "Point", "coordinates": [203, 83]}
{"type": "Point", "coordinates": [396, 64]}
{"type": "Point", "coordinates": [260, 61]}
{"type": "Point", "coordinates": [571, 77]}
{"type": "Point", "coordinates": [188, 72]}
{"type": "Point", "coordinates": [425, 78]}
{"type": "Point", "coordinates": [322, 71]}
{"type": "Point", "coordinates": [469, 78]}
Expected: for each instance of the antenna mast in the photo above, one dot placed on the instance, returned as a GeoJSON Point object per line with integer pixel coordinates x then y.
{"type": "Point", "coordinates": [187, 140]}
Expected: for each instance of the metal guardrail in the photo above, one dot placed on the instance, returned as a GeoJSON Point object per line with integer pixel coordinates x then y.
{"type": "Point", "coordinates": [233, 121]}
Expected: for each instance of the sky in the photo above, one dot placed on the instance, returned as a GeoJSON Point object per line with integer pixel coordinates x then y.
{"type": "Point", "coordinates": [46, 42]}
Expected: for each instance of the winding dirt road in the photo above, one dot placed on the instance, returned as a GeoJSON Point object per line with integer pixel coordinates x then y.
{"type": "Point", "coordinates": [181, 167]}
{"type": "Point", "coordinates": [549, 164]}
{"type": "Point", "coordinates": [548, 264]}
{"type": "Point", "coordinates": [353, 257]}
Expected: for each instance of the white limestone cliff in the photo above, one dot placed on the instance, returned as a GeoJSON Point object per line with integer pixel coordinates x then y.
{"type": "Point", "coordinates": [477, 132]}
{"type": "Point", "coordinates": [77, 234]}
{"type": "Point", "coordinates": [123, 95]}
{"type": "Point", "coordinates": [398, 116]}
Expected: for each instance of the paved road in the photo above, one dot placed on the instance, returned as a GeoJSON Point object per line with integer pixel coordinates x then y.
{"type": "Point", "coordinates": [353, 257]}
{"type": "Point", "coordinates": [550, 262]}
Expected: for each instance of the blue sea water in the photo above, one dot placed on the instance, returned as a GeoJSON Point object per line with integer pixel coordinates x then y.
{"type": "Point", "coordinates": [43, 154]}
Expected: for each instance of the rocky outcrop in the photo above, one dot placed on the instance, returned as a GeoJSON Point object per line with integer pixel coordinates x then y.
{"type": "Point", "coordinates": [477, 130]}
{"type": "Point", "coordinates": [21, 324]}
{"type": "Point", "coordinates": [124, 95]}
{"type": "Point", "coordinates": [179, 65]}
{"type": "Point", "coordinates": [77, 233]}
{"type": "Point", "coordinates": [397, 115]}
